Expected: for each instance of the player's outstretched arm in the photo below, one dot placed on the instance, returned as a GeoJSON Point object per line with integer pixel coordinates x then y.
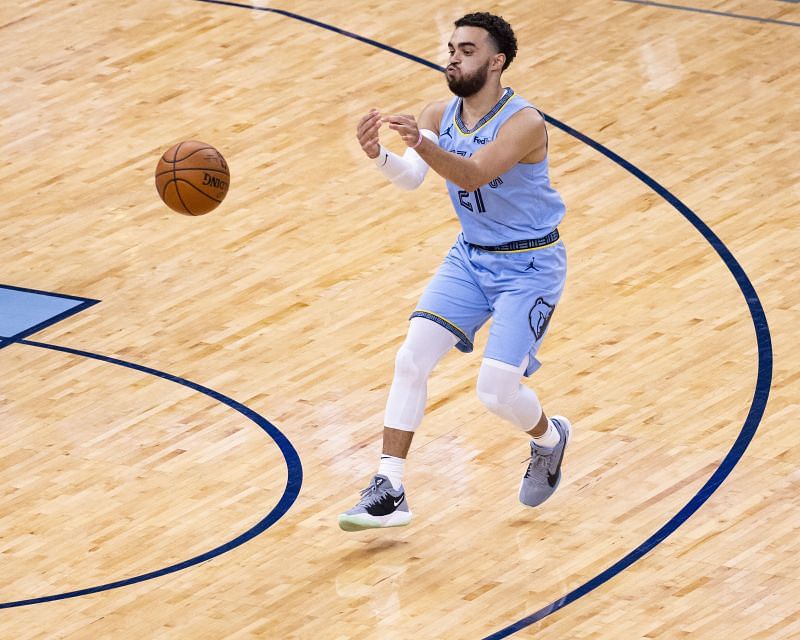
{"type": "Point", "coordinates": [520, 139]}
{"type": "Point", "coordinates": [407, 171]}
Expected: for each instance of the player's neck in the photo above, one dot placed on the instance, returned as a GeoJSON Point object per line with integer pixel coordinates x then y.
{"type": "Point", "coordinates": [479, 104]}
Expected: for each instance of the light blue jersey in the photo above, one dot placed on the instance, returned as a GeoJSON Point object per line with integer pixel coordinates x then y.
{"type": "Point", "coordinates": [518, 205]}
{"type": "Point", "coordinates": [509, 264]}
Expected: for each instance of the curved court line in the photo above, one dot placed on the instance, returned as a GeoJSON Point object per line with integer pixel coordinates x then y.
{"type": "Point", "coordinates": [754, 415]}
{"type": "Point", "coordinates": [293, 482]}
{"type": "Point", "coordinates": [329, 27]}
{"type": "Point", "coordinates": [763, 339]}
{"type": "Point", "coordinates": [724, 14]}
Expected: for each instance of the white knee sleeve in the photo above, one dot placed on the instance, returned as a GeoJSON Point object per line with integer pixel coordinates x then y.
{"type": "Point", "coordinates": [499, 389]}
{"type": "Point", "coordinates": [425, 345]}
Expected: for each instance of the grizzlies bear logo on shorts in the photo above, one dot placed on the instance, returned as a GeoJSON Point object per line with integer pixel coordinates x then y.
{"type": "Point", "coordinates": [539, 317]}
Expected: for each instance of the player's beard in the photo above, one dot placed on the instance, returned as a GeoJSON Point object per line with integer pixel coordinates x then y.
{"type": "Point", "coordinates": [465, 86]}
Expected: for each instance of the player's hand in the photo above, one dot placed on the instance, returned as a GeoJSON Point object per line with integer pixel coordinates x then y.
{"type": "Point", "coordinates": [406, 126]}
{"type": "Point", "coordinates": [367, 133]}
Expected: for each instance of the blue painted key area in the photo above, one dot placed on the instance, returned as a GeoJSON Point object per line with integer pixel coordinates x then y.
{"type": "Point", "coordinates": [26, 311]}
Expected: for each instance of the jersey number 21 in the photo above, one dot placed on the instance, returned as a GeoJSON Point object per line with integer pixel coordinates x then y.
{"type": "Point", "coordinates": [464, 200]}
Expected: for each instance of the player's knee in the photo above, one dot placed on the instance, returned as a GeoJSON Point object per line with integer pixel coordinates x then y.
{"type": "Point", "coordinates": [490, 401]}
{"type": "Point", "coordinates": [406, 366]}
{"type": "Point", "coordinates": [497, 397]}
{"type": "Point", "coordinates": [499, 387]}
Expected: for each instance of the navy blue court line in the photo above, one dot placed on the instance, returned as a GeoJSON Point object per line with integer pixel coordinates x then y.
{"type": "Point", "coordinates": [85, 304]}
{"type": "Point", "coordinates": [50, 294]}
{"type": "Point", "coordinates": [763, 339]}
{"type": "Point", "coordinates": [763, 383]}
{"type": "Point", "coordinates": [293, 482]}
{"type": "Point", "coordinates": [748, 431]}
{"type": "Point", "coordinates": [725, 14]}
{"type": "Point", "coordinates": [329, 27]}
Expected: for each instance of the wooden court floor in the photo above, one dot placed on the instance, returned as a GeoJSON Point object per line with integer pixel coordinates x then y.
{"type": "Point", "coordinates": [173, 457]}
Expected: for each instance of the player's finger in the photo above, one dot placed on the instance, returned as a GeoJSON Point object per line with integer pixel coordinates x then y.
{"type": "Point", "coordinates": [398, 117]}
{"type": "Point", "coordinates": [363, 127]}
{"type": "Point", "coordinates": [366, 117]}
{"type": "Point", "coordinates": [363, 138]}
{"type": "Point", "coordinates": [371, 138]}
{"type": "Point", "coordinates": [395, 119]}
{"type": "Point", "coordinates": [368, 120]}
{"type": "Point", "coordinates": [370, 131]}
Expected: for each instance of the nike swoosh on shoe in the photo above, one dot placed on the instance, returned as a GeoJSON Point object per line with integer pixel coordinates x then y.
{"type": "Point", "coordinates": [552, 478]}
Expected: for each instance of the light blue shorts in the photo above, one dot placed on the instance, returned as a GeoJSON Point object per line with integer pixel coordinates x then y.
{"type": "Point", "coordinates": [519, 290]}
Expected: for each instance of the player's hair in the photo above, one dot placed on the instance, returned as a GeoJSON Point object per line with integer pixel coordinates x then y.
{"type": "Point", "coordinates": [500, 31]}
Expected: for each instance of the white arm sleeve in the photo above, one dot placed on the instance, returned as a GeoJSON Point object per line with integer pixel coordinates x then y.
{"type": "Point", "coordinates": [408, 171]}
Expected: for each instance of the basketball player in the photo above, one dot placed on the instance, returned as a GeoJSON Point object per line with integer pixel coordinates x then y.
{"type": "Point", "coordinates": [508, 263]}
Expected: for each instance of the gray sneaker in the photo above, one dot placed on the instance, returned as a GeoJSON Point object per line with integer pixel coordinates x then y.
{"type": "Point", "coordinates": [380, 506]}
{"type": "Point", "coordinates": [544, 470]}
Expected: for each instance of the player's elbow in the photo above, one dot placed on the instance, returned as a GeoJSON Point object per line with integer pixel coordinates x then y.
{"type": "Point", "coordinates": [466, 181]}
{"type": "Point", "coordinates": [409, 181]}
{"type": "Point", "coordinates": [473, 179]}
{"type": "Point", "coordinates": [470, 185]}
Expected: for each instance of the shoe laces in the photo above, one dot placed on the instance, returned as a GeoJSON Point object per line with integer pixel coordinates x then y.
{"type": "Point", "coordinates": [370, 495]}
{"type": "Point", "coordinates": [537, 459]}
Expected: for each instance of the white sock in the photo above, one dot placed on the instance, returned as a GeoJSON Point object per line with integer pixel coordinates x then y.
{"type": "Point", "coordinates": [393, 469]}
{"type": "Point", "coordinates": [549, 438]}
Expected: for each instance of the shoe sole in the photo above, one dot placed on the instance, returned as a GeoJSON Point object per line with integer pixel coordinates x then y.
{"type": "Point", "coordinates": [365, 521]}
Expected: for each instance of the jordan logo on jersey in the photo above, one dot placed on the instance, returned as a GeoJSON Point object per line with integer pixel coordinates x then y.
{"type": "Point", "coordinates": [447, 132]}
{"type": "Point", "coordinates": [539, 317]}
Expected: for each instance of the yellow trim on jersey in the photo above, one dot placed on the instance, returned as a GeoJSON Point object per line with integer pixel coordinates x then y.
{"type": "Point", "coordinates": [443, 319]}
{"type": "Point", "coordinates": [474, 131]}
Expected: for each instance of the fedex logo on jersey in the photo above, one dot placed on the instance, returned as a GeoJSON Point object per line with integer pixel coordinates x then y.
{"type": "Point", "coordinates": [478, 140]}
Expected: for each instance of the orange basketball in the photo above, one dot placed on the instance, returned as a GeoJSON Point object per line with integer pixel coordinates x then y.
{"type": "Point", "coordinates": [192, 178]}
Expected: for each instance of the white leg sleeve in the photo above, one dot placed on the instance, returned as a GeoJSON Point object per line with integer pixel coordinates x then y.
{"type": "Point", "coordinates": [500, 390]}
{"type": "Point", "coordinates": [425, 345]}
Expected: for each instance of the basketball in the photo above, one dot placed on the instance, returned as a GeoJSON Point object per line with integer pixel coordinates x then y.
{"type": "Point", "coordinates": [192, 178]}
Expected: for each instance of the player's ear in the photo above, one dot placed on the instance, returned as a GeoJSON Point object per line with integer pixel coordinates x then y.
{"type": "Point", "coordinates": [499, 61]}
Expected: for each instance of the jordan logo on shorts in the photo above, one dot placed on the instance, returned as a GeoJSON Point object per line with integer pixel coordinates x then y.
{"type": "Point", "coordinates": [539, 317]}
{"type": "Point", "coordinates": [531, 266]}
